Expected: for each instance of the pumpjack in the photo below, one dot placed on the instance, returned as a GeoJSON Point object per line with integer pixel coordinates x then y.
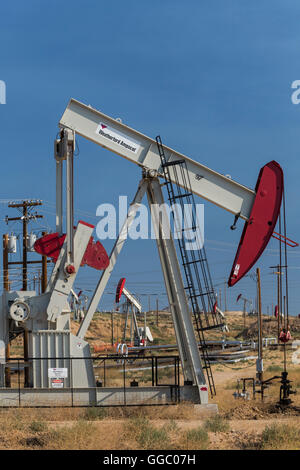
{"type": "Point", "coordinates": [191, 297]}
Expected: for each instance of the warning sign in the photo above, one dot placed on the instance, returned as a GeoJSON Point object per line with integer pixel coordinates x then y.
{"type": "Point", "coordinates": [118, 138]}
{"type": "Point", "coordinates": [2, 352]}
{"type": "Point", "coordinates": [57, 383]}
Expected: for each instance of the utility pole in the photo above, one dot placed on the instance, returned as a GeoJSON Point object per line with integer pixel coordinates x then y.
{"type": "Point", "coordinates": [6, 288]}
{"type": "Point", "coordinates": [131, 326]}
{"type": "Point", "coordinates": [225, 297]}
{"type": "Point", "coordinates": [25, 235]}
{"type": "Point", "coordinates": [5, 262]}
{"type": "Point", "coordinates": [279, 296]}
{"type": "Point", "coordinates": [278, 302]}
{"type": "Point", "coordinates": [112, 328]}
{"type": "Point", "coordinates": [259, 366]}
{"type": "Point", "coordinates": [244, 313]}
{"type": "Point", "coordinates": [26, 216]}
{"type": "Point", "coordinates": [44, 278]}
{"type": "Point", "coordinates": [25, 207]}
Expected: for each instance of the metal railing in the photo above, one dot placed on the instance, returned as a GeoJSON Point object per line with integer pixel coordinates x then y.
{"type": "Point", "coordinates": [114, 373]}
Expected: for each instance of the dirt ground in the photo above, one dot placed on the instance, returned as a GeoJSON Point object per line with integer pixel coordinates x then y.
{"type": "Point", "coordinates": [241, 424]}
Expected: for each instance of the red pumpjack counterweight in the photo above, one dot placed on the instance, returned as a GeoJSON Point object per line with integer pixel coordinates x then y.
{"type": "Point", "coordinates": [120, 288]}
{"type": "Point", "coordinates": [260, 226]}
{"type": "Point", "coordinates": [95, 254]}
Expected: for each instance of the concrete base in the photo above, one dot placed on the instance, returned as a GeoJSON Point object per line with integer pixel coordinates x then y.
{"type": "Point", "coordinates": [101, 396]}
{"type": "Point", "coordinates": [203, 411]}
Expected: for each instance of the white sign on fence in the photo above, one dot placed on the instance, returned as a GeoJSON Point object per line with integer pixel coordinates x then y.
{"type": "Point", "coordinates": [2, 352]}
{"type": "Point", "coordinates": [58, 373]}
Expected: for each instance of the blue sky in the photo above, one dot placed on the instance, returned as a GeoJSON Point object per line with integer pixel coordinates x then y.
{"type": "Point", "coordinates": [213, 78]}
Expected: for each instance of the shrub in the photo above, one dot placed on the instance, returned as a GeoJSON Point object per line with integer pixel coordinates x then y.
{"type": "Point", "coordinates": [197, 438]}
{"type": "Point", "coordinates": [171, 426]}
{"type": "Point", "coordinates": [38, 426]}
{"type": "Point", "coordinates": [150, 437]}
{"type": "Point", "coordinates": [94, 413]}
{"type": "Point", "coordinates": [216, 424]}
{"type": "Point", "coordinates": [280, 437]}
{"type": "Point", "coordinates": [147, 435]}
{"type": "Point", "coordinates": [80, 435]}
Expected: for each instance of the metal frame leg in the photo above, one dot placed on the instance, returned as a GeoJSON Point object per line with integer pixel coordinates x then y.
{"type": "Point", "coordinates": [134, 206]}
{"type": "Point", "coordinates": [184, 330]}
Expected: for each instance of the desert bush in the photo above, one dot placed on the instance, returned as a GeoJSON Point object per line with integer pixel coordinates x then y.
{"type": "Point", "coordinates": [94, 413]}
{"type": "Point", "coordinates": [197, 439]}
{"type": "Point", "coordinates": [38, 426]}
{"type": "Point", "coordinates": [150, 437]}
{"type": "Point", "coordinates": [171, 426]}
{"type": "Point", "coordinates": [281, 436]}
{"type": "Point", "coordinates": [216, 424]}
{"type": "Point", "coordinates": [146, 435]}
{"type": "Point", "coordinates": [81, 435]}
{"type": "Point", "coordinates": [12, 421]}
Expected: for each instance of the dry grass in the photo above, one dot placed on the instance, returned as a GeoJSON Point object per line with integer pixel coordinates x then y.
{"type": "Point", "coordinates": [19, 431]}
{"type": "Point", "coordinates": [90, 429]}
{"type": "Point", "coordinates": [182, 411]}
{"type": "Point", "coordinates": [157, 427]}
{"type": "Point", "coordinates": [217, 424]}
{"type": "Point", "coordinates": [142, 434]}
{"type": "Point", "coordinates": [280, 437]}
{"type": "Point", "coordinates": [139, 428]}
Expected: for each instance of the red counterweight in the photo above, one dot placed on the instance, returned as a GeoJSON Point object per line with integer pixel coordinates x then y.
{"type": "Point", "coordinates": [120, 288]}
{"type": "Point", "coordinates": [95, 254]}
{"type": "Point", "coordinates": [259, 227]}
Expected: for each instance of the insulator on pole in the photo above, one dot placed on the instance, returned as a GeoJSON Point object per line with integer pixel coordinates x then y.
{"type": "Point", "coordinates": [31, 239]}
{"type": "Point", "coordinates": [12, 244]}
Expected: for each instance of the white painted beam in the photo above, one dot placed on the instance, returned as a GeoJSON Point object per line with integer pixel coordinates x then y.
{"type": "Point", "coordinates": [142, 150]}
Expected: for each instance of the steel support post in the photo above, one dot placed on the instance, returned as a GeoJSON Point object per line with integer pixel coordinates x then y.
{"type": "Point", "coordinates": [70, 198]}
{"type": "Point", "coordinates": [134, 206]}
{"type": "Point", "coordinates": [59, 196]}
{"type": "Point", "coordinates": [184, 330]}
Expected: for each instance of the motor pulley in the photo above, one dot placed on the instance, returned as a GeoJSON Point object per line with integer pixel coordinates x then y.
{"type": "Point", "coordinates": [19, 311]}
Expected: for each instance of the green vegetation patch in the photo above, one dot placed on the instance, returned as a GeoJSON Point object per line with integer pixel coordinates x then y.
{"type": "Point", "coordinates": [281, 437]}
{"type": "Point", "coordinates": [216, 424]}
